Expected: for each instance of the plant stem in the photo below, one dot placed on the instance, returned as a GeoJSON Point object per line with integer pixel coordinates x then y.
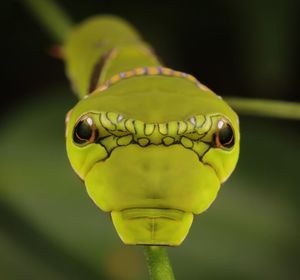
{"type": "Point", "coordinates": [51, 16]}
{"type": "Point", "coordinates": [266, 108]}
{"type": "Point", "coordinates": [158, 263]}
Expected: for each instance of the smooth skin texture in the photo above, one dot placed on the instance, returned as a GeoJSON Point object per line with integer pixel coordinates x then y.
{"type": "Point", "coordinates": [151, 144]}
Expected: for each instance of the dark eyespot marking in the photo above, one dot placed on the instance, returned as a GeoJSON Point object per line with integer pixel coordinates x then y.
{"type": "Point", "coordinates": [224, 136]}
{"type": "Point", "coordinates": [85, 131]}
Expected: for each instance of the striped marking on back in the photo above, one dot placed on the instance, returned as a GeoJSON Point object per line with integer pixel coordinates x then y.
{"type": "Point", "coordinates": [149, 71]}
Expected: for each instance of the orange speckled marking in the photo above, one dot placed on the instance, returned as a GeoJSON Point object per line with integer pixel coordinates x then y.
{"type": "Point", "coordinates": [150, 71]}
{"type": "Point", "coordinates": [153, 71]}
{"type": "Point", "coordinates": [139, 71]}
{"type": "Point", "coordinates": [114, 79]}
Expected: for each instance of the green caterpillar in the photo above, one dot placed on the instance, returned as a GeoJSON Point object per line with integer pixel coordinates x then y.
{"type": "Point", "coordinates": [151, 144]}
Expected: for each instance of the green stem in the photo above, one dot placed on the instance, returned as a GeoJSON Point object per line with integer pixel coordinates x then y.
{"type": "Point", "coordinates": [158, 263]}
{"type": "Point", "coordinates": [51, 16]}
{"type": "Point", "coordinates": [266, 108]}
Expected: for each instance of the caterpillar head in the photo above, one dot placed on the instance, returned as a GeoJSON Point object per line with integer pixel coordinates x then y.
{"type": "Point", "coordinates": [153, 151]}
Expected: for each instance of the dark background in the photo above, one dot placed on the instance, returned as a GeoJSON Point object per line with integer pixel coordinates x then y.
{"type": "Point", "coordinates": [50, 229]}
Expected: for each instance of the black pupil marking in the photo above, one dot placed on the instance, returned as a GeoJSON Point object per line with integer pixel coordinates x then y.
{"type": "Point", "coordinates": [83, 132]}
{"type": "Point", "coordinates": [225, 135]}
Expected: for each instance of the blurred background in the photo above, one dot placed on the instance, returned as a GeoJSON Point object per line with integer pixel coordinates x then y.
{"type": "Point", "coordinates": [50, 229]}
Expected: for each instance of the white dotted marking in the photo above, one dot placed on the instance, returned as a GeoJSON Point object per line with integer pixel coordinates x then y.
{"type": "Point", "coordinates": [89, 121]}
{"type": "Point", "coordinates": [220, 124]}
{"type": "Point", "coordinates": [193, 120]}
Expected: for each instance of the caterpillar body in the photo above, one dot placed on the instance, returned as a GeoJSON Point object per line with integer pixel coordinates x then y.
{"type": "Point", "coordinates": [153, 145]}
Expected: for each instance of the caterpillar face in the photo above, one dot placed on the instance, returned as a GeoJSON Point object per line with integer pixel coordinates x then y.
{"type": "Point", "coordinates": [153, 160]}
{"type": "Point", "coordinates": [111, 130]}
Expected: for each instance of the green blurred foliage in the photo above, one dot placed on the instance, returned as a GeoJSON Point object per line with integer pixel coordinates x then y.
{"type": "Point", "coordinates": [50, 229]}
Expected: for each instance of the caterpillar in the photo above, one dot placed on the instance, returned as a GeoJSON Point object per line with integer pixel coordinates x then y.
{"type": "Point", "coordinates": [151, 144]}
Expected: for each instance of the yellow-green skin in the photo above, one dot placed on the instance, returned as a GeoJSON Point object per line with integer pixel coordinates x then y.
{"type": "Point", "coordinates": [154, 164]}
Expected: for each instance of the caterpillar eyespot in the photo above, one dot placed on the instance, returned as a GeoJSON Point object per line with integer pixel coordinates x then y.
{"type": "Point", "coordinates": [224, 136]}
{"type": "Point", "coordinates": [85, 132]}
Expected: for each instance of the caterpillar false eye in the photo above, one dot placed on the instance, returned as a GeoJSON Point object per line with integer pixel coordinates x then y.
{"type": "Point", "coordinates": [224, 136]}
{"type": "Point", "coordinates": [85, 131]}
